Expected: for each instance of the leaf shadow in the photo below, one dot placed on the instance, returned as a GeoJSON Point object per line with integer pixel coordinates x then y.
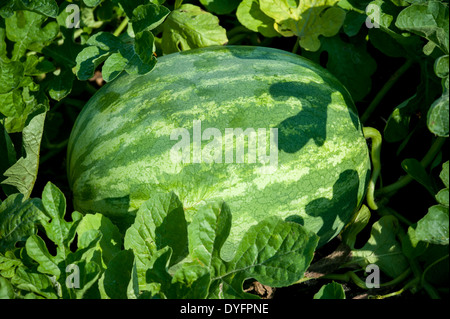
{"type": "Point", "coordinates": [309, 123]}
{"type": "Point", "coordinates": [331, 213]}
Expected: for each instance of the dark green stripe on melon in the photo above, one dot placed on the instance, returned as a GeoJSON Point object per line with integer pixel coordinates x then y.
{"type": "Point", "coordinates": [119, 150]}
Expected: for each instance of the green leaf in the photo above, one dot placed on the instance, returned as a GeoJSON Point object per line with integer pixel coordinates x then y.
{"type": "Point", "coordinates": [351, 64]}
{"type": "Point", "coordinates": [11, 74]}
{"type": "Point", "coordinates": [250, 15]}
{"type": "Point", "coordinates": [442, 197]}
{"type": "Point", "coordinates": [3, 51]}
{"type": "Point", "coordinates": [84, 263]}
{"type": "Point", "coordinates": [57, 229]}
{"type": "Point", "coordinates": [382, 248]}
{"type": "Point", "coordinates": [274, 252]}
{"type": "Point", "coordinates": [157, 276]}
{"type": "Point", "coordinates": [19, 105]}
{"type": "Point", "coordinates": [434, 227]}
{"type": "Point", "coordinates": [37, 65]}
{"type": "Point", "coordinates": [353, 23]}
{"type": "Point", "coordinates": [388, 42]}
{"type": "Point", "coordinates": [386, 37]}
{"type": "Point", "coordinates": [134, 55]}
{"type": "Point", "coordinates": [116, 278]}
{"type": "Point", "coordinates": [18, 220]}
{"type": "Point", "coordinates": [428, 20]}
{"type": "Point", "coordinates": [359, 222]}
{"type": "Point", "coordinates": [411, 246]}
{"type": "Point", "coordinates": [143, 42]}
{"type": "Point", "coordinates": [190, 282]}
{"type": "Point", "coordinates": [37, 249]}
{"type": "Point", "coordinates": [59, 86]}
{"type": "Point", "coordinates": [114, 65]}
{"type": "Point", "coordinates": [190, 27]}
{"type": "Point", "coordinates": [444, 175]}
{"type": "Point", "coordinates": [44, 7]}
{"type": "Point", "coordinates": [88, 60]}
{"type": "Point", "coordinates": [416, 171]}
{"type": "Point", "coordinates": [8, 264]}
{"type": "Point", "coordinates": [7, 152]}
{"type": "Point", "coordinates": [397, 126]}
{"type": "Point", "coordinates": [60, 231]}
{"type": "Point", "coordinates": [161, 215]}
{"type": "Point", "coordinates": [6, 289]}
{"type": "Point", "coordinates": [128, 6]}
{"type": "Point", "coordinates": [332, 290]}
{"type": "Point", "coordinates": [26, 29]}
{"type": "Point", "coordinates": [441, 66]}
{"type": "Point", "coordinates": [133, 285]}
{"type": "Point", "coordinates": [220, 6]}
{"type": "Point", "coordinates": [92, 3]}
{"type": "Point", "coordinates": [105, 41]}
{"type": "Point", "coordinates": [148, 17]}
{"type": "Point", "coordinates": [208, 232]}
{"type": "Point", "coordinates": [37, 283]}
{"type": "Point", "coordinates": [306, 19]}
{"type": "Point", "coordinates": [111, 239]}
{"type": "Point", "coordinates": [23, 173]}
{"type": "Point", "coordinates": [438, 116]}
{"type": "Point", "coordinates": [130, 51]}
{"type": "Point", "coordinates": [89, 275]}
{"type": "Point", "coordinates": [64, 55]}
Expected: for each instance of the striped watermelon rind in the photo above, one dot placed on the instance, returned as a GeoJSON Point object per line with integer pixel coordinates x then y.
{"type": "Point", "coordinates": [119, 150]}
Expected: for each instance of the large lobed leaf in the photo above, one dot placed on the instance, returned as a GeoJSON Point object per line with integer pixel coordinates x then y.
{"type": "Point", "coordinates": [434, 226]}
{"type": "Point", "coordinates": [307, 19]}
{"type": "Point", "coordinates": [273, 252]}
{"type": "Point", "coordinates": [18, 220]}
{"type": "Point", "coordinates": [22, 175]}
{"type": "Point", "coordinates": [160, 222]}
{"type": "Point", "coordinates": [382, 248]}
{"type": "Point", "coordinates": [189, 27]}
{"type": "Point", "coordinates": [429, 20]}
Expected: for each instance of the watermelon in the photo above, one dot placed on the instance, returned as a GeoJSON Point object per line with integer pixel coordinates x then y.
{"type": "Point", "coordinates": [266, 131]}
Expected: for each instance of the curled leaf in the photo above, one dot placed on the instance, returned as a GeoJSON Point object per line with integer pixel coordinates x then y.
{"type": "Point", "coordinates": [307, 19]}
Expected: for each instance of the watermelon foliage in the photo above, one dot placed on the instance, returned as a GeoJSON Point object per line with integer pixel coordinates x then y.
{"type": "Point", "coordinates": [123, 143]}
{"type": "Point", "coordinates": [164, 257]}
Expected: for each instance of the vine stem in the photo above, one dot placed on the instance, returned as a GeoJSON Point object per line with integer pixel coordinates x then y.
{"type": "Point", "coordinates": [178, 4]}
{"type": "Point", "coordinates": [385, 89]}
{"type": "Point", "coordinates": [296, 45]}
{"type": "Point", "coordinates": [431, 292]}
{"type": "Point", "coordinates": [405, 180]}
{"type": "Point", "coordinates": [410, 284]}
{"type": "Point", "coordinates": [350, 275]}
{"type": "Point", "coordinates": [121, 27]}
{"type": "Point", "coordinates": [376, 138]}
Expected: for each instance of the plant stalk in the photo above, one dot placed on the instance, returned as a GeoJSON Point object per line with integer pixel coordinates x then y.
{"type": "Point", "coordinates": [350, 275]}
{"type": "Point", "coordinates": [121, 27]}
{"type": "Point", "coordinates": [376, 138]}
{"type": "Point", "coordinates": [296, 45]}
{"type": "Point", "coordinates": [385, 89]}
{"type": "Point", "coordinates": [405, 180]}
{"type": "Point", "coordinates": [178, 4]}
